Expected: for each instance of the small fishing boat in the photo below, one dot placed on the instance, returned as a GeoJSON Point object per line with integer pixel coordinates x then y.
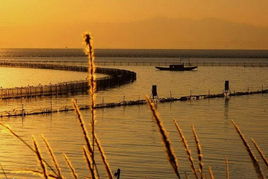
{"type": "Point", "coordinates": [179, 67]}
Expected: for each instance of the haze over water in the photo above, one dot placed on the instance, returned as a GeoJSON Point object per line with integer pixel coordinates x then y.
{"type": "Point", "coordinates": [128, 134]}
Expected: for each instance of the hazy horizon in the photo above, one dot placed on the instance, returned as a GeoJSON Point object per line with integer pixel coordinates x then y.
{"type": "Point", "coordinates": [135, 24]}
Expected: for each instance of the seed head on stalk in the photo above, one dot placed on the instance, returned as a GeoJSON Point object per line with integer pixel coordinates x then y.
{"type": "Point", "coordinates": [92, 85]}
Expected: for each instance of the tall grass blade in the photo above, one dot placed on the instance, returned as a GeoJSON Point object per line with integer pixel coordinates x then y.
{"type": "Point", "coordinates": [69, 163]}
{"type": "Point", "coordinates": [227, 169]}
{"type": "Point", "coordinates": [187, 149]}
{"type": "Point", "coordinates": [53, 157]}
{"type": "Point", "coordinates": [250, 153]}
{"type": "Point", "coordinates": [28, 145]}
{"type": "Point", "coordinates": [171, 156]}
{"type": "Point", "coordinates": [199, 151]}
{"type": "Point", "coordinates": [186, 175]}
{"type": "Point", "coordinates": [85, 133]}
{"type": "Point", "coordinates": [104, 159]}
{"type": "Point", "coordinates": [89, 163]}
{"type": "Point", "coordinates": [211, 173]}
{"type": "Point", "coordinates": [39, 157]}
{"type": "Point", "coordinates": [260, 152]}
{"type": "Point", "coordinates": [4, 172]}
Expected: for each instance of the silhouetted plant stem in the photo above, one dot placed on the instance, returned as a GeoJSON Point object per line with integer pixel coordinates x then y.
{"type": "Point", "coordinates": [53, 157]}
{"type": "Point", "coordinates": [103, 157]}
{"type": "Point", "coordinates": [227, 169]}
{"type": "Point", "coordinates": [260, 152]}
{"type": "Point", "coordinates": [28, 145]}
{"type": "Point", "coordinates": [250, 153]}
{"type": "Point", "coordinates": [199, 151]}
{"type": "Point", "coordinates": [69, 163]}
{"type": "Point", "coordinates": [210, 173]}
{"type": "Point", "coordinates": [39, 157]}
{"type": "Point", "coordinates": [92, 85]}
{"type": "Point", "coordinates": [3, 171]}
{"type": "Point", "coordinates": [85, 132]}
{"type": "Point", "coordinates": [187, 149]}
{"type": "Point", "coordinates": [89, 163]}
{"type": "Point", "coordinates": [171, 156]}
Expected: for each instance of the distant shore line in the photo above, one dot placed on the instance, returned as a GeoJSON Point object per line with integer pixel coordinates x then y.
{"type": "Point", "coordinates": [152, 53]}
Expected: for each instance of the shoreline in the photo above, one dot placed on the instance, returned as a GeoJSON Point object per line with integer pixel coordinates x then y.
{"type": "Point", "coordinates": [153, 53]}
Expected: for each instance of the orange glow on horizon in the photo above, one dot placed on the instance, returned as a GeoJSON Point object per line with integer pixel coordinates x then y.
{"type": "Point", "coordinates": [126, 24]}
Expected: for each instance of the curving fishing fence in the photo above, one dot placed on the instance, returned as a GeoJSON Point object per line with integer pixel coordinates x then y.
{"type": "Point", "coordinates": [116, 77]}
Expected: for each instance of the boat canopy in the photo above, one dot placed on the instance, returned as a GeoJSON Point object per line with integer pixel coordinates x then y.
{"type": "Point", "coordinates": [176, 66]}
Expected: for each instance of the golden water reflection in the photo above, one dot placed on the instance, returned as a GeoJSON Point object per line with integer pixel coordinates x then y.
{"type": "Point", "coordinates": [18, 77]}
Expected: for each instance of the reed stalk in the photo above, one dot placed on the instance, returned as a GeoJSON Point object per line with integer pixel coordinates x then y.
{"type": "Point", "coordinates": [104, 159]}
{"type": "Point", "coordinates": [53, 157]}
{"type": "Point", "coordinates": [4, 172]}
{"type": "Point", "coordinates": [199, 151]}
{"type": "Point", "coordinates": [92, 84]}
{"type": "Point", "coordinates": [89, 163]}
{"type": "Point", "coordinates": [186, 175]}
{"type": "Point", "coordinates": [28, 145]}
{"type": "Point", "coordinates": [260, 152]}
{"type": "Point", "coordinates": [227, 169]}
{"type": "Point", "coordinates": [39, 157]}
{"type": "Point", "coordinates": [250, 153]}
{"type": "Point", "coordinates": [211, 173]}
{"type": "Point", "coordinates": [187, 149]}
{"type": "Point", "coordinates": [69, 163]}
{"type": "Point", "coordinates": [169, 150]}
{"type": "Point", "coordinates": [83, 127]}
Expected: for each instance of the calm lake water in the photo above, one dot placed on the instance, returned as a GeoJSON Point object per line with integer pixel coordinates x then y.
{"type": "Point", "coordinates": [129, 135]}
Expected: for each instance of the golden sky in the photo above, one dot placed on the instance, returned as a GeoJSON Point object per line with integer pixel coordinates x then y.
{"type": "Point", "coordinates": [134, 23]}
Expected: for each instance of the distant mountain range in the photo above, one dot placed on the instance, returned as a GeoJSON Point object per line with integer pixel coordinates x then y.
{"type": "Point", "coordinates": [156, 33]}
{"type": "Point", "coordinates": [181, 33]}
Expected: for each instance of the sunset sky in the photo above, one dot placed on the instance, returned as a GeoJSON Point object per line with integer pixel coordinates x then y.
{"type": "Point", "coordinates": [135, 23]}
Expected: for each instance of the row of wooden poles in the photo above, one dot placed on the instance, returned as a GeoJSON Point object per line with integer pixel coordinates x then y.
{"type": "Point", "coordinates": [226, 94]}
{"type": "Point", "coordinates": [116, 77]}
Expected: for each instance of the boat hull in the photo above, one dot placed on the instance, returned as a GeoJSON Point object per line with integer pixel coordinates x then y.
{"type": "Point", "coordinates": [177, 69]}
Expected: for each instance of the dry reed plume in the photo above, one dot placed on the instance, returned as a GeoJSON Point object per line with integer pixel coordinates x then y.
{"type": "Point", "coordinates": [187, 149]}
{"type": "Point", "coordinates": [92, 85]}
{"type": "Point", "coordinates": [89, 151]}
{"type": "Point", "coordinates": [171, 156]}
{"type": "Point", "coordinates": [53, 157]}
{"type": "Point", "coordinates": [260, 152]}
{"type": "Point", "coordinates": [69, 163]}
{"type": "Point", "coordinates": [40, 160]}
{"type": "Point", "coordinates": [250, 153]}
{"type": "Point", "coordinates": [199, 151]}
